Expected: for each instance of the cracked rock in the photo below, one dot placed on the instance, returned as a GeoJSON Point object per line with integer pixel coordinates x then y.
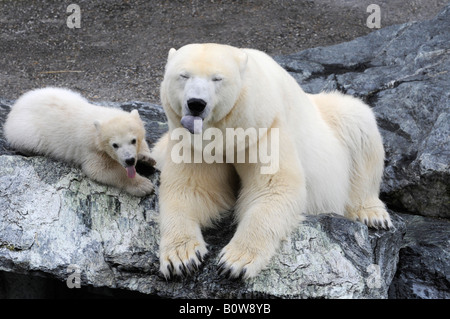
{"type": "Point", "coordinates": [52, 217]}
{"type": "Point", "coordinates": [424, 261]}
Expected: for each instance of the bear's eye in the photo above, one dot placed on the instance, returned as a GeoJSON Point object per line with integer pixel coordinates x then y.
{"type": "Point", "coordinates": [115, 145]}
{"type": "Point", "coordinates": [133, 141]}
{"type": "Point", "coordinates": [217, 78]}
{"type": "Point", "coordinates": [184, 76]}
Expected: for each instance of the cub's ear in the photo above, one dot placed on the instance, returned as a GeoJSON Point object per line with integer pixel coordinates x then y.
{"type": "Point", "coordinates": [135, 113]}
{"type": "Point", "coordinates": [98, 125]}
{"type": "Point", "coordinates": [242, 58]}
{"type": "Point", "coordinates": [171, 53]}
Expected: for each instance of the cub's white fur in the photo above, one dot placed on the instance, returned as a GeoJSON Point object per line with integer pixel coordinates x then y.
{"type": "Point", "coordinates": [330, 158]}
{"type": "Point", "coordinates": [105, 142]}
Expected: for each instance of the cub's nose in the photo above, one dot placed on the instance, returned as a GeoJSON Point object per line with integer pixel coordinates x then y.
{"type": "Point", "coordinates": [196, 106]}
{"type": "Point", "coordinates": [130, 161]}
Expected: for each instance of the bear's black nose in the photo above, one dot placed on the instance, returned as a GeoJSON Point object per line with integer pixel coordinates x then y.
{"type": "Point", "coordinates": [196, 106]}
{"type": "Point", "coordinates": [130, 161]}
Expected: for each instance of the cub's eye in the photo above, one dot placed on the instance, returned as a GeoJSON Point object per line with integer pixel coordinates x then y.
{"type": "Point", "coordinates": [133, 141]}
{"type": "Point", "coordinates": [115, 145]}
{"type": "Point", "coordinates": [217, 78]}
{"type": "Point", "coordinates": [184, 76]}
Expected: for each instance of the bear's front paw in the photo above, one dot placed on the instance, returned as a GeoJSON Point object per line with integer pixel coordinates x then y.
{"type": "Point", "coordinates": [241, 261]}
{"type": "Point", "coordinates": [141, 186]}
{"type": "Point", "coordinates": [182, 257]}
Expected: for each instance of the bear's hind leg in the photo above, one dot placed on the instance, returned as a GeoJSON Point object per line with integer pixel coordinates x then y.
{"type": "Point", "coordinates": [367, 171]}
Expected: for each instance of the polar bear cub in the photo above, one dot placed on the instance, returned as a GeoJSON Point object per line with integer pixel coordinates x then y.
{"type": "Point", "coordinates": [329, 149]}
{"type": "Point", "coordinates": [105, 142]}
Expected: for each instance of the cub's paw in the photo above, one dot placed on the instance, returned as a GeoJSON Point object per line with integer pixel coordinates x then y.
{"type": "Point", "coordinates": [181, 257]}
{"type": "Point", "coordinates": [375, 217]}
{"type": "Point", "coordinates": [147, 158]}
{"type": "Point", "coordinates": [141, 186]}
{"type": "Point", "coordinates": [240, 261]}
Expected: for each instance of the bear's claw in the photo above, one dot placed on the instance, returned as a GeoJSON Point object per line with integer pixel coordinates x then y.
{"type": "Point", "coordinates": [228, 272]}
{"type": "Point", "coordinates": [375, 217]}
{"type": "Point", "coordinates": [182, 269]}
{"type": "Point", "coordinates": [236, 261]}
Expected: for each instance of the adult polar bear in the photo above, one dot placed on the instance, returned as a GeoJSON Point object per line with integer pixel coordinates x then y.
{"type": "Point", "coordinates": [330, 152]}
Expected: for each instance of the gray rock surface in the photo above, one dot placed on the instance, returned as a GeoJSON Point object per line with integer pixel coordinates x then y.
{"type": "Point", "coordinates": [424, 267]}
{"type": "Point", "coordinates": [403, 72]}
{"type": "Point", "coordinates": [52, 217]}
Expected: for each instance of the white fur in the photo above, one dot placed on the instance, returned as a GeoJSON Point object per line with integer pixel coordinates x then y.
{"type": "Point", "coordinates": [331, 158]}
{"type": "Point", "coordinates": [61, 124]}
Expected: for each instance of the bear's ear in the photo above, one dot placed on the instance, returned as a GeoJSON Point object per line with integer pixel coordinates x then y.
{"type": "Point", "coordinates": [171, 53]}
{"type": "Point", "coordinates": [242, 60]}
{"type": "Point", "coordinates": [98, 125]}
{"type": "Point", "coordinates": [135, 113]}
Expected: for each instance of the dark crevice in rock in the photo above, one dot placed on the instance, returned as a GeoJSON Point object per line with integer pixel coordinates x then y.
{"type": "Point", "coordinates": [393, 127]}
{"type": "Point", "coordinates": [341, 69]}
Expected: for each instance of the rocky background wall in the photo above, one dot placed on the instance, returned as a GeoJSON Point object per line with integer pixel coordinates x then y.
{"type": "Point", "coordinates": [55, 224]}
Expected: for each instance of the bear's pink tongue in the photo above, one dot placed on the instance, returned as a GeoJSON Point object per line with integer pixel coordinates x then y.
{"type": "Point", "coordinates": [193, 124]}
{"type": "Point", "coordinates": [131, 171]}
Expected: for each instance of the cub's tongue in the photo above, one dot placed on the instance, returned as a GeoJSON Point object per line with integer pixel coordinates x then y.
{"type": "Point", "coordinates": [193, 124]}
{"type": "Point", "coordinates": [131, 171]}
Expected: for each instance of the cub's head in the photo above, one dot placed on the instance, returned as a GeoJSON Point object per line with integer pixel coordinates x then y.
{"type": "Point", "coordinates": [121, 138]}
{"type": "Point", "coordinates": [202, 83]}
